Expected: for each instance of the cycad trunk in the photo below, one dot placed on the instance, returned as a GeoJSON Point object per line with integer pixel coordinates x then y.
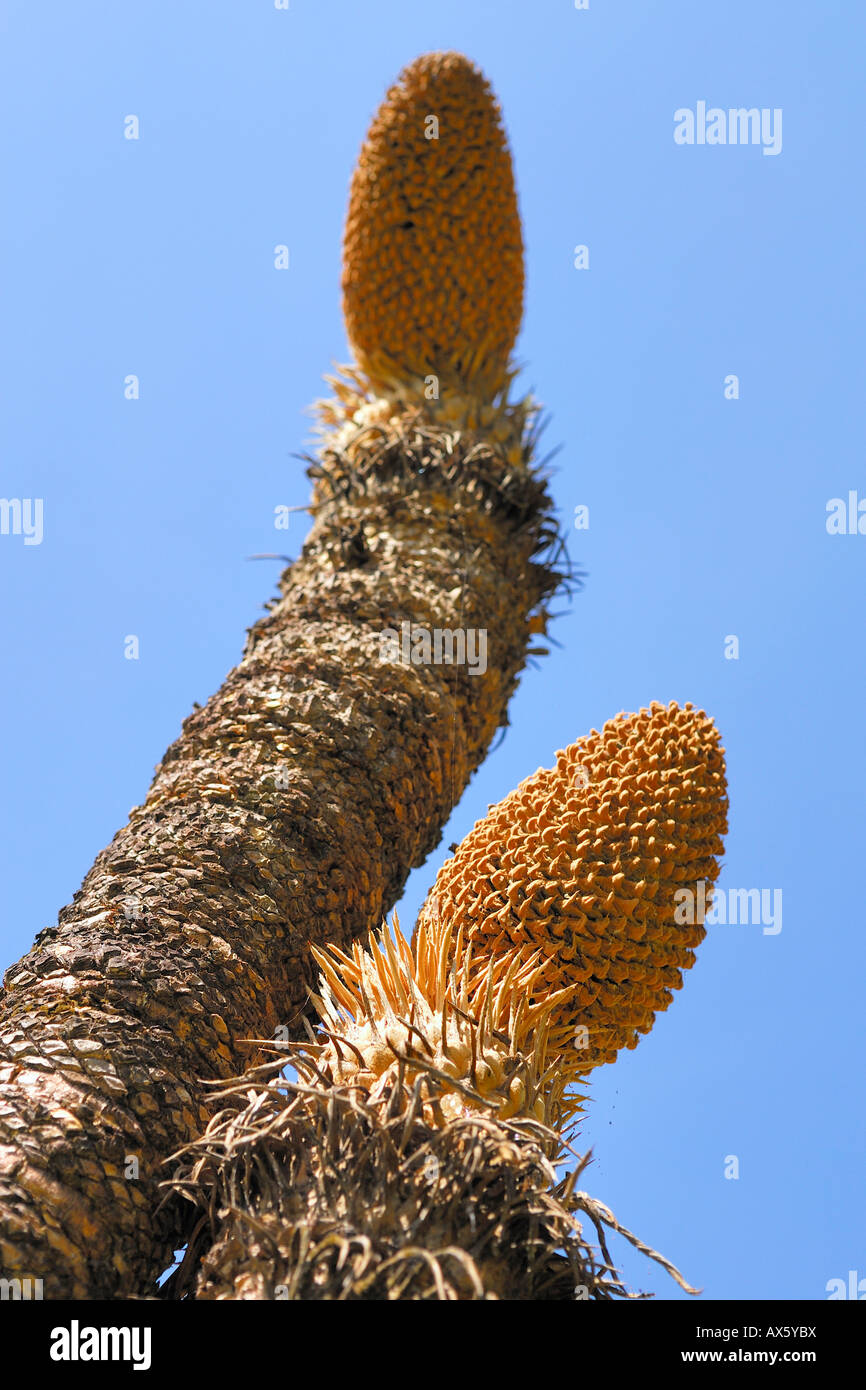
{"type": "Point", "coordinates": [290, 810]}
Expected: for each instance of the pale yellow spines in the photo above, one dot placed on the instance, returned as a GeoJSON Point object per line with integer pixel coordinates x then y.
{"type": "Point", "coordinates": [426, 1011]}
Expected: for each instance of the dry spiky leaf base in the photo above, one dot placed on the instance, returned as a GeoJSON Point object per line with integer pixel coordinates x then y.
{"type": "Point", "coordinates": [312, 1192]}
{"type": "Point", "coordinates": [427, 1011]}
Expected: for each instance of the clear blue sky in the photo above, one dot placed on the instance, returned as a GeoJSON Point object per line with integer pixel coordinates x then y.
{"type": "Point", "coordinates": [707, 516]}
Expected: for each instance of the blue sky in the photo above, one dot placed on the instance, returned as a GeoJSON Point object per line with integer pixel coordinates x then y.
{"type": "Point", "coordinates": [707, 515]}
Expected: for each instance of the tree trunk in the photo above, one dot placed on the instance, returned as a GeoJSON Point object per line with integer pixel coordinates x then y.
{"type": "Point", "coordinates": [289, 811]}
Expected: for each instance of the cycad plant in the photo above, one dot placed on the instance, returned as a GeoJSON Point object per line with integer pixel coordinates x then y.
{"type": "Point", "coordinates": [293, 805]}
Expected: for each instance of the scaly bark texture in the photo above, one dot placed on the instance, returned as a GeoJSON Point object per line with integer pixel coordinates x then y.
{"type": "Point", "coordinates": [289, 811]}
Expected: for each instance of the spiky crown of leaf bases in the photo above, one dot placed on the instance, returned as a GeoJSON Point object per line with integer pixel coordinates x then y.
{"type": "Point", "coordinates": [552, 937]}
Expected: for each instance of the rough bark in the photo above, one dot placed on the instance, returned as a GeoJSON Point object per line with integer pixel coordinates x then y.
{"type": "Point", "coordinates": [290, 810]}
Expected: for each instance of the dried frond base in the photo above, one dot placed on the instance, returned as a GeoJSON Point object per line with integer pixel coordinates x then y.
{"type": "Point", "coordinates": [314, 1194]}
{"type": "Point", "coordinates": [505, 424]}
{"type": "Point", "coordinates": [432, 447]}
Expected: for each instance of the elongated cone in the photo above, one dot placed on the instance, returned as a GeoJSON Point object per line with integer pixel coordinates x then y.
{"type": "Point", "coordinates": [604, 864]}
{"type": "Point", "coordinates": [554, 935]}
{"type": "Point", "coordinates": [433, 251]}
